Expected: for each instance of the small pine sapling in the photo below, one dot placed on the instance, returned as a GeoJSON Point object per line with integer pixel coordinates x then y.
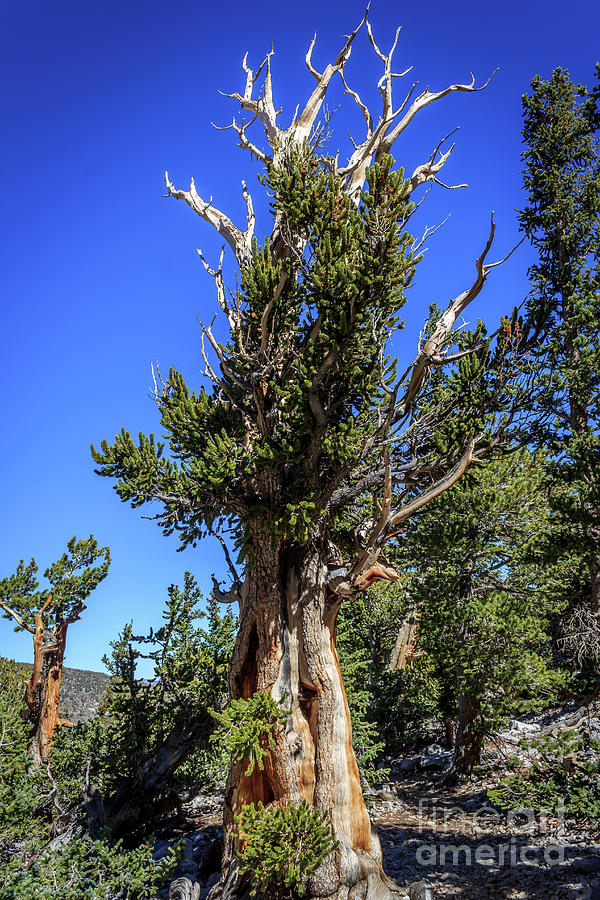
{"type": "Point", "coordinates": [281, 846]}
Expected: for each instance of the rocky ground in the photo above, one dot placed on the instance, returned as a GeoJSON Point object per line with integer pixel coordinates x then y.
{"type": "Point", "coordinates": [466, 849]}
{"type": "Point", "coordinates": [451, 837]}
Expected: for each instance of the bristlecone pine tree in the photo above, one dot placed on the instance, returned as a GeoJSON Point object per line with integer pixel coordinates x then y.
{"type": "Point", "coordinates": [47, 614]}
{"type": "Point", "coordinates": [308, 448]}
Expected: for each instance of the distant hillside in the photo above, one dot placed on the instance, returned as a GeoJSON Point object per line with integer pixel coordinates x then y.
{"type": "Point", "coordinates": [81, 693]}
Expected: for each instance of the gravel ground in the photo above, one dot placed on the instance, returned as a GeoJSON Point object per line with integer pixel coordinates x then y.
{"type": "Point", "coordinates": [467, 850]}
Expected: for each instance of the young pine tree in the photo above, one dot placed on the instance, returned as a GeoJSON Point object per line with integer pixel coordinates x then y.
{"type": "Point", "coordinates": [483, 599]}
{"type": "Point", "coordinates": [154, 730]}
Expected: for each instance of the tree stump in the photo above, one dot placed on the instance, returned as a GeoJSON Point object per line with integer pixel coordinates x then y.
{"type": "Point", "coordinates": [184, 889]}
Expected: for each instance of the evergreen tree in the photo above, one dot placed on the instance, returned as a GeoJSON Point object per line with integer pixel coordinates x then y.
{"type": "Point", "coordinates": [393, 702]}
{"type": "Point", "coordinates": [483, 599]}
{"type": "Point", "coordinates": [308, 449]}
{"type": "Point", "coordinates": [154, 732]}
{"type": "Point", "coordinates": [31, 800]}
{"type": "Point", "coordinates": [47, 615]}
{"type": "Point", "coordinates": [562, 220]}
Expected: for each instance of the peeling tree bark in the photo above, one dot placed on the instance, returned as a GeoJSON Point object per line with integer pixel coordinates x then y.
{"type": "Point", "coordinates": [42, 693]}
{"type": "Point", "coordinates": [286, 647]}
{"type": "Point", "coordinates": [406, 644]}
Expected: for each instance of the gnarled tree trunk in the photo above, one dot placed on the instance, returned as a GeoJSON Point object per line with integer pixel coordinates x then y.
{"type": "Point", "coordinates": [42, 694]}
{"type": "Point", "coordinates": [149, 795]}
{"type": "Point", "coordinates": [286, 647]}
{"type": "Point", "coordinates": [468, 742]}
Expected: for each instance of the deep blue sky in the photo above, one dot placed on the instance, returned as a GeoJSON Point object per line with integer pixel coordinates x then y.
{"type": "Point", "coordinates": [99, 274]}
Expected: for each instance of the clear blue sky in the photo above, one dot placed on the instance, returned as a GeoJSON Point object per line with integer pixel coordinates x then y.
{"type": "Point", "coordinates": [99, 274]}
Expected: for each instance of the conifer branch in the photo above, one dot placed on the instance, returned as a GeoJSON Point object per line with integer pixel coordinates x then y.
{"type": "Point", "coordinates": [437, 489]}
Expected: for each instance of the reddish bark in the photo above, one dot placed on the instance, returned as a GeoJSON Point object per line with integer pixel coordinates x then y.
{"type": "Point", "coordinates": [42, 693]}
{"type": "Point", "coordinates": [286, 647]}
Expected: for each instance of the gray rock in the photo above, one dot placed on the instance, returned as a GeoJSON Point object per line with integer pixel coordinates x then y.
{"type": "Point", "coordinates": [524, 727]}
{"type": "Point", "coordinates": [421, 890]}
{"type": "Point", "coordinates": [407, 765]}
{"type": "Point", "coordinates": [437, 760]}
{"type": "Point", "coordinates": [434, 750]}
{"type": "Point", "coordinates": [475, 802]}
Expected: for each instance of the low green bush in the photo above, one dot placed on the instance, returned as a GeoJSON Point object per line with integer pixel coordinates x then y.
{"type": "Point", "coordinates": [282, 846]}
{"type": "Point", "coordinates": [89, 870]}
{"type": "Point", "coordinates": [566, 775]}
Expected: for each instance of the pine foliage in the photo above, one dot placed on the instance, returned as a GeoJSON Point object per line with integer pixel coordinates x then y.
{"type": "Point", "coordinates": [248, 727]}
{"type": "Point", "coordinates": [562, 221]}
{"type": "Point", "coordinates": [282, 846]}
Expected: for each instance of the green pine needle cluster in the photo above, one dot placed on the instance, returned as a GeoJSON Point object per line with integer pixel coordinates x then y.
{"type": "Point", "coordinates": [282, 845]}
{"type": "Point", "coordinates": [247, 728]}
{"type": "Point", "coordinates": [90, 870]}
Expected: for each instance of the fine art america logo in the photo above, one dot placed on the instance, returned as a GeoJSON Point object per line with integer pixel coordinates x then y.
{"type": "Point", "coordinates": [519, 823]}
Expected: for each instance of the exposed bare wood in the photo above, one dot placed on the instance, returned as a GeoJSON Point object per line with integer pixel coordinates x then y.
{"type": "Point", "coordinates": [262, 107]}
{"type": "Point", "coordinates": [244, 142]}
{"type": "Point", "coordinates": [406, 643]}
{"type": "Point", "coordinates": [42, 692]}
{"type": "Point", "coordinates": [38, 640]}
{"type": "Point", "coordinates": [429, 170]}
{"type": "Point", "coordinates": [239, 241]}
{"type": "Point", "coordinates": [434, 344]}
{"type": "Point", "coordinates": [437, 489]}
{"type": "Point", "coordinates": [231, 596]}
{"type": "Point", "coordinates": [302, 127]}
{"type": "Point", "coordinates": [232, 314]}
{"type": "Point", "coordinates": [184, 889]}
{"type": "Point", "coordinates": [425, 99]}
{"type": "Point", "coordinates": [15, 615]}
